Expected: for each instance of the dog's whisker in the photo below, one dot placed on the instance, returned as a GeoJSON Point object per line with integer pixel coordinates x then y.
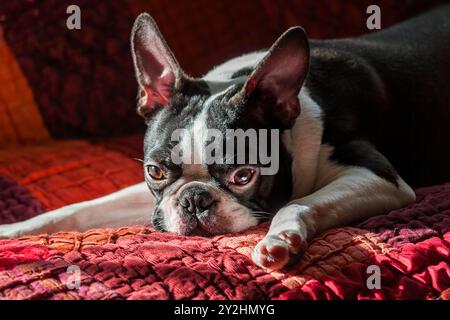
{"type": "Point", "coordinates": [261, 218]}
{"type": "Point", "coordinates": [262, 213]}
{"type": "Point", "coordinates": [235, 209]}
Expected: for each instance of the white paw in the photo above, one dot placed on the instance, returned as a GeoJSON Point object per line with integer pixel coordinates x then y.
{"type": "Point", "coordinates": [285, 242]}
{"type": "Point", "coordinates": [276, 251]}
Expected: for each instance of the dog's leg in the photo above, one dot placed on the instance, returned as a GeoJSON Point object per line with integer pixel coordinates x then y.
{"type": "Point", "coordinates": [130, 206]}
{"type": "Point", "coordinates": [354, 193]}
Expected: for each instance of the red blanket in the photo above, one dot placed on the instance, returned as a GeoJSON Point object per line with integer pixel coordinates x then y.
{"type": "Point", "coordinates": [411, 247]}
{"type": "Point", "coordinates": [56, 84]}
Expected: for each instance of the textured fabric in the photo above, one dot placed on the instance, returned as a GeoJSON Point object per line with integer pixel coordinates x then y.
{"type": "Point", "coordinates": [140, 263]}
{"type": "Point", "coordinates": [20, 120]}
{"type": "Point", "coordinates": [62, 173]}
{"type": "Point", "coordinates": [56, 83]}
{"type": "Point", "coordinates": [16, 203]}
{"type": "Point", "coordinates": [420, 271]}
{"type": "Point", "coordinates": [430, 217]}
{"type": "Point", "coordinates": [82, 79]}
{"type": "Point", "coordinates": [203, 33]}
{"type": "Point", "coordinates": [82, 82]}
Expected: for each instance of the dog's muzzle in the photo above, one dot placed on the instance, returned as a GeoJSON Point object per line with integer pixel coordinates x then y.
{"type": "Point", "coordinates": [195, 200]}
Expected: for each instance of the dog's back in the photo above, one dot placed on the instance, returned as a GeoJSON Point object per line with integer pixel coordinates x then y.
{"type": "Point", "coordinates": [392, 87]}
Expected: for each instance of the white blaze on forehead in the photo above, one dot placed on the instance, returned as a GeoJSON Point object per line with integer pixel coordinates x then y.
{"type": "Point", "coordinates": [193, 143]}
{"type": "Point", "coordinates": [220, 81]}
{"type": "Point", "coordinates": [198, 136]}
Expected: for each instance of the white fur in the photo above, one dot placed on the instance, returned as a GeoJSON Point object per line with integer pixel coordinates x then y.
{"type": "Point", "coordinates": [303, 141]}
{"type": "Point", "coordinates": [130, 206]}
{"type": "Point", "coordinates": [225, 71]}
{"type": "Point", "coordinates": [195, 139]}
{"type": "Point", "coordinates": [341, 194]}
{"type": "Point", "coordinates": [228, 216]}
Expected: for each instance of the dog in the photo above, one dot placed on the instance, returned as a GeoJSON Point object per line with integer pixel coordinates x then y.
{"type": "Point", "coordinates": [354, 116]}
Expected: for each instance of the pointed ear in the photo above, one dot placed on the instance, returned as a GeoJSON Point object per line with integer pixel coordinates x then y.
{"type": "Point", "coordinates": [275, 83]}
{"type": "Point", "coordinates": [157, 71]}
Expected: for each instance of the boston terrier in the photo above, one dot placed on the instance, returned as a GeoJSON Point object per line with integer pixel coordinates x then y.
{"type": "Point", "coordinates": [352, 116]}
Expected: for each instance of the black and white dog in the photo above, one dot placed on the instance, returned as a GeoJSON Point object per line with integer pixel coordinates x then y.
{"type": "Point", "coordinates": [342, 107]}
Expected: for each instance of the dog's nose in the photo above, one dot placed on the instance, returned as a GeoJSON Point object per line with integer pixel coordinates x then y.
{"type": "Point", "coordinates": [196, 200]}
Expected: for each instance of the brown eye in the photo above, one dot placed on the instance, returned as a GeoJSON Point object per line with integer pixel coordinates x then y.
{"type": "Point", "coordinates": [155, 173]}
{"type": "Point", "coordinates": [243, 176]}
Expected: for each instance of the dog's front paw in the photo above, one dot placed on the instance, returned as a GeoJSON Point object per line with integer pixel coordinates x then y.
{"type": "Point", "coordinates": [276, 251]}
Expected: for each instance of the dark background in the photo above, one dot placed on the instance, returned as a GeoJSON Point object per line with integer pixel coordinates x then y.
{"type": "Point", "coordinates": [83, 82]}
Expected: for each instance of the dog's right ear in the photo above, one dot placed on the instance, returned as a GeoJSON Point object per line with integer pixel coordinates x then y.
{"type": "Point", "coordinates": [157, 71]}
{"type": "Point", "coordinates": [274, 85]}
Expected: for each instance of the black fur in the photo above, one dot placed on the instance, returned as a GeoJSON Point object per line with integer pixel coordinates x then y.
{"type": "Point", "coordinates": [383, 94]}
{"type": "Point", "coordinates": [228, 113]}
{"type": "Point", "coordinates": [362, 154]}
{"type": "Point", "coordinates": [391, 88]}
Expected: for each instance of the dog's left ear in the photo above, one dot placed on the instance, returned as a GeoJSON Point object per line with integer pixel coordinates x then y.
{"type": "Point", "coordinates": [157, 71]}
{"type": "Point", "coordinates": [275, 83]}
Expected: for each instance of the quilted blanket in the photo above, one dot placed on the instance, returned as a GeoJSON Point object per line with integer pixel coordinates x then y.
{"type": "Point", "coordinates": [58, 85]}
{"type": "Point", "coordinates": [410, 246]}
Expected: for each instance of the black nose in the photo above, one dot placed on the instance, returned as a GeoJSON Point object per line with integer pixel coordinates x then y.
{"type": "Point", "coordinates": [195, 200]}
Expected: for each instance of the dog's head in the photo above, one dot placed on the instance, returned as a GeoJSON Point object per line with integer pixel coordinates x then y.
{"type": "Point", "coordinates": [213, 154]}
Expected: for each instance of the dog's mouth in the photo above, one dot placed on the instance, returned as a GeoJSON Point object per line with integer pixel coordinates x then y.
{"type": "Point", "coordinates": [195, 226]}
{"type": "Point", "coordinates": [211, 222]}
{"type": "Point", "coordinates": [204, 228]}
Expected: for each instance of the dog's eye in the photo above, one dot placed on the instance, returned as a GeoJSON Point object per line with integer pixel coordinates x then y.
{"type": "Point", "coordinates": [243, 176]}
{"type": "Point", "coordinates": [155, 172]}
